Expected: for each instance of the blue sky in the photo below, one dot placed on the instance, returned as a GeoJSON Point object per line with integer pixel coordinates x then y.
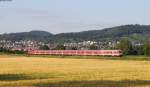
{"type": "Point", "coordinates": [58, 16]}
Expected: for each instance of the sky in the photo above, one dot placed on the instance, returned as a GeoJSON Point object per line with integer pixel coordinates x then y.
{"type": "Point", "coordinates": [60, 16]}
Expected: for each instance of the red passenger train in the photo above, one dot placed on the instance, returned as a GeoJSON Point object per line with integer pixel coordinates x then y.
{"type": "Point", "coordinates": [77, 52]}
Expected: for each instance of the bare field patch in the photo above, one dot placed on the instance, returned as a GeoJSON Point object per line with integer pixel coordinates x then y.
{"type": "Point", "coordinates": [18, 71]}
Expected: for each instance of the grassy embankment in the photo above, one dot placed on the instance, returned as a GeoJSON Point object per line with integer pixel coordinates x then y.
{"type": "Point", "coordinates": [71, 71]}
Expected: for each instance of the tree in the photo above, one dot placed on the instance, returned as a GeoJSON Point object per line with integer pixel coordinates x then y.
{"type": "Point", "coordinates": [137, 50]}
{"type": "Point", "coordinates": [74, 48]}
{"type": "Point", "coordinates": [60, 47]}
{"type": "Point", "coordinates": [126, 46]}
{"type": "Point", "coordinates": [44, 47]}
{"type": "Point", "coordinates": [146, 48]}
{"type": "Point", "coordinates": [93, 47]}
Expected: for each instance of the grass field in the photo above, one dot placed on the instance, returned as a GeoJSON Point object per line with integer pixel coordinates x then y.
{"type": "Point", "coordinates": [21, 71]}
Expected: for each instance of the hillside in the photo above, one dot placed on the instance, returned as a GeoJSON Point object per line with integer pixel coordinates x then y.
{"type": "Point", "coordinates": [135, 32]}
{"type": "Point", "coordinates": [32, 35]}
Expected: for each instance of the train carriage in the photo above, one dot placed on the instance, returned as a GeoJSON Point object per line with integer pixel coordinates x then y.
{"type": "Point", "coordinates": [77, 52]}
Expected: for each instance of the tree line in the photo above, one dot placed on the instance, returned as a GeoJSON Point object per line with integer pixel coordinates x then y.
{"type": "Point", "coordinates": [7, 51]}
{"type": "Point", "coordinates": [128, 49]}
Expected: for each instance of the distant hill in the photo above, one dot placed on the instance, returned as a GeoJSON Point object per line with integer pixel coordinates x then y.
{"type": "Point", "coordinates": [32, 35]}
{"type": "Point", "coordinates": [136, 32]}
{"type": "Point", "coordinates": [133, 32]}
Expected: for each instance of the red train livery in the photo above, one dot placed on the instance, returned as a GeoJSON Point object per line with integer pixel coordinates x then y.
{"type": "Point", "coordinates": [77, 52]}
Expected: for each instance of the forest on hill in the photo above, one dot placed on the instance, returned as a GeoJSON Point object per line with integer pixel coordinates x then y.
{"type": "Point", "coordinates": [132, 32]}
